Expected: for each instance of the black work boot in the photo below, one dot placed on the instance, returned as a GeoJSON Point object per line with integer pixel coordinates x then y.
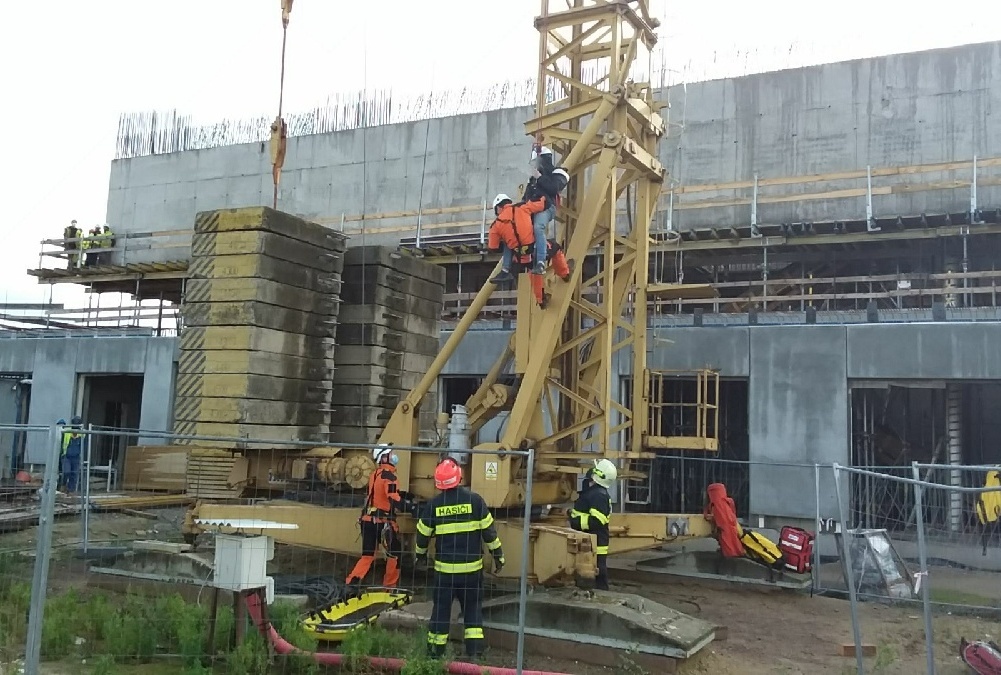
{"type": "Point", "coordinates": [502, 277]}
{"type": "Point", "coordinates": [570, 264]}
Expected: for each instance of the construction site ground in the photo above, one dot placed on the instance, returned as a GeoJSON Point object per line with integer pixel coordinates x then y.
{"type": "Point", "coordinates": [766, 630]}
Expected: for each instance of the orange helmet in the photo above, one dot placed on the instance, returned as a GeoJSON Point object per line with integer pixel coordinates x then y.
{"type": "Point", "coordinates": [447, 475]}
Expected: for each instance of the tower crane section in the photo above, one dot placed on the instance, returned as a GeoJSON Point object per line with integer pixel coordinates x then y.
{"type": "Point", "coordinates": [606, 127]}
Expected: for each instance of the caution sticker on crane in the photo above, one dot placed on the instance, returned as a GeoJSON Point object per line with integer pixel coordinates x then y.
{"type": "Point", "coordinates": [491, 470]}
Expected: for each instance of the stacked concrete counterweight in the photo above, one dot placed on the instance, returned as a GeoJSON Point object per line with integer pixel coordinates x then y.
{"type": "Point", "coordinates": [260, 317]}
{"type": "Point", "coordinates": [387, 338]}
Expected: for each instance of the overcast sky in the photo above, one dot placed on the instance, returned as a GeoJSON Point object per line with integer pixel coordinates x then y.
{"type": "Point", "coordinates": [70, 67]}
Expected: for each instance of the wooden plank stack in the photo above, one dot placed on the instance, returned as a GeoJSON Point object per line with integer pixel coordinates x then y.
{"type": "Point", "coordinates": [257, 348]}
{"type": "Point", "coordinates": [387, 338]}
{"type": "Point", "coordinates": [155, 467]}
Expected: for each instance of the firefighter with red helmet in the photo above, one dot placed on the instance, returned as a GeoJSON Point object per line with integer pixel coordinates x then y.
{"type": "Point", "coordinates": [460, 522]}
{"type": "Point", "coordinates": [378, 520]}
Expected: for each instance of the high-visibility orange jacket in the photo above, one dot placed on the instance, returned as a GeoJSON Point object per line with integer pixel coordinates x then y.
{"type": "Point", "coordinates": [513, 227]}
{"type": "Point", "coordinates": [383, 497]}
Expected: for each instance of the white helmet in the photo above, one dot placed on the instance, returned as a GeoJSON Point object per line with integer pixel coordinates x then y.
{"type": "Point", "coordinates": [378, 454]}
{"type": "Point", "coordinates": [604, 473]}
{"type": "Point", "coordinates": [542, 151]}
{"type": "Point", "coordinates": [499, 199]}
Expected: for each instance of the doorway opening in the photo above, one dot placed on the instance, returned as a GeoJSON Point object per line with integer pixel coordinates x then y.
{"type": "Point", "coordinates": [111, 401]}
{"type": "Point", "coordinates": [895, 423]}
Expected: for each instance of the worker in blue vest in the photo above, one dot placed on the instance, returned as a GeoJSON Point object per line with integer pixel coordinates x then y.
{"type": "Point", "coordinates": [72, 448]}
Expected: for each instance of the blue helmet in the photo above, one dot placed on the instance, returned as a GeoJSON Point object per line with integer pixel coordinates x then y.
{"type": "Point", "coordinates": [76, 420]}
{"type": "Point", "coordinates": [61, 422]}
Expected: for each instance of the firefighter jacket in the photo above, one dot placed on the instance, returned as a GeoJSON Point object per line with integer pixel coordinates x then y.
{"type": "Point", "coordinates": [461, 523]}
{"type": "Point", "coordinates": [383, 498]}
{"type": "Point", "coordinates": [548, 184]}
{"type": "Point", "coordinates": [591, 513]}
{"type": "Point", "coordinates": [513, 227]}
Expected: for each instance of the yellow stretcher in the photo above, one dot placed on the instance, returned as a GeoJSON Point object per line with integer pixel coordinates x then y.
{"type": "Point", "coordinates": [334, 622]}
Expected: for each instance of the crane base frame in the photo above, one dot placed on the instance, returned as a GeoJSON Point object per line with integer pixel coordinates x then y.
{"type": "Point", "coordinates": [557, 554]}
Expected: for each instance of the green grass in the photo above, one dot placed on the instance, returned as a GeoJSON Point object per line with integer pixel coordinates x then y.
{"type": "Point", "coordinates": [130, 634]}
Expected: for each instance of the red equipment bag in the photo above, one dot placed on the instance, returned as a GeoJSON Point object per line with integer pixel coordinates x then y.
{"type": "Point", "coordinates": [984, 658]}
{"type": "Point", "coordinates": [722, 512]}
{"type": "Point", "coordinates": [797, 549]}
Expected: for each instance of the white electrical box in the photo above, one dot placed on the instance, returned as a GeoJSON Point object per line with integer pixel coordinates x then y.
{"type": "Point", "coordinates": [241, 562]}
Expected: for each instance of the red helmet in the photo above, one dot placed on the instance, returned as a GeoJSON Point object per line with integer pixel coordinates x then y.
{"type": "Point", "coordinates": [447, 475]}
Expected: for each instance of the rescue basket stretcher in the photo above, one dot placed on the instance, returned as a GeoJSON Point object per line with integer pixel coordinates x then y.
{"type": "Point", "coordinates": [333, 622]}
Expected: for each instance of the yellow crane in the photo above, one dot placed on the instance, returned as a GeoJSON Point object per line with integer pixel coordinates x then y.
{"type": "Point", "coordinates": [606, 128]}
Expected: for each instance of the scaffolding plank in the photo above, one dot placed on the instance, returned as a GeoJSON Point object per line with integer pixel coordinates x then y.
{"type": "Point", "coordinates": [262, 315]}
{"type": "Point", "coordinates": [384, 256]}
{"type": "Point", "coordinates": [260, 290]}
{"type": "Point", "coordinates": [254, 362]}
{"type": "Point", "coordinates": [266, 244]}
{"type": "Point", "coordinates": [270, 220]}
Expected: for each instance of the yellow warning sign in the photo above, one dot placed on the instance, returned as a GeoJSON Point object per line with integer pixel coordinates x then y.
{"type": "Point", "coordinates": [491, 470]}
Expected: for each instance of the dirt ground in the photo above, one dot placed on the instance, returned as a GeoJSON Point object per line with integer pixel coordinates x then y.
{"type": "Point", "coordinates": [768, 631]}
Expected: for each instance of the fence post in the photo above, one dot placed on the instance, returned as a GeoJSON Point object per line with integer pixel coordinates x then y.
{"type": "Point", "coordinates": [846, 565]}
{"type": "Point", "coordinates": [815, 572]}
{"type": "Point", "coordinates": [85, 488]}
{"type": "Point", "coordinates": [523, 581]}
{"type": "Point", "coordinates": [43, 552]}
{"type": "Point", "coordinates": [923, 574]}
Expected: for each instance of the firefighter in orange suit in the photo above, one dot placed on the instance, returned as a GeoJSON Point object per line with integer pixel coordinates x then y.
{"type": "Point", "coordinates": [562, 267]}
{"type": "Point", "coordinates": [378, 520]}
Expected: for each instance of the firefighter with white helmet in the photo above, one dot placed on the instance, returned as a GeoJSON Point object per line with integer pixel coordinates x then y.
{"type": "Point", "coordinates": [548, 184]}
{"type": "Point", "coordinates": [513, 233]}
{"type": "Point", "coordinates": [378, 520]}
{"type": "Point", "coordinates": [593, 510]}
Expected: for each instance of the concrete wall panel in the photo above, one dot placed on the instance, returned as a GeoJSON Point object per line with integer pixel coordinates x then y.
{"type": "Point", "coordinates": [798, 413]}
{"type": "Point", "coordinates": [967, 351]}
{"type": "Point", "coordinates": [727, 350]}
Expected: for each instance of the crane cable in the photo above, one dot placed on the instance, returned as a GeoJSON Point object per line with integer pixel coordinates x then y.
{"type": "Point", "coordinates": [279, 130]}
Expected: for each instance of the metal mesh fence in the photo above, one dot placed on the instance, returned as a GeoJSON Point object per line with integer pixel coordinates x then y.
{"type": "Point", "coordinates": [914, 541]}
{"type": "Point", "coordinates": [122, 571]}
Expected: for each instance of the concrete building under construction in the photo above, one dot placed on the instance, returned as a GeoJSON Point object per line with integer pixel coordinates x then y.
{"type": "Point", "coordinates": [844, 219]}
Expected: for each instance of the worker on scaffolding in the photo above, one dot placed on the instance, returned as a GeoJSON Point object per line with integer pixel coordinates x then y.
{"type": "Point", "coordinates": [107, 241]}
{"type": "Point", "coordinates": [72, 449]}
{"type": "Point", "coordinates": [70, 234]}
{"type": "Point", "coordinates": [547, 183]}
{"type": "Point", "coordinates": [592, 511]}
{"type": "Point", "coordinates": [89, 246]}
{"type": "Point", "coordinates": [378, 521]}
{"type": "Point", "coordinates": [461, 524]}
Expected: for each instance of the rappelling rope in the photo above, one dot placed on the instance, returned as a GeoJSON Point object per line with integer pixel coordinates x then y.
{"type": "Point", "coordinates": [279, 130]}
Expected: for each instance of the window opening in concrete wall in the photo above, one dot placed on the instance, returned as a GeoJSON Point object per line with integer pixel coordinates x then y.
{"type": "Point", "coordinates": [678, 479]}
{"type": "Point", "coordinates": [895, 423]}
{"type": "Point", "coordinates": [15, 395]}
{"type": "Point", "coordinates": [111, 401]}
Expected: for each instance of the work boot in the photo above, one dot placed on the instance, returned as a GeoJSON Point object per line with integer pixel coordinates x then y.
{"type": "Point", "coordinates": [540, 268]}
{"type": "Point", "coordinates": [502, 278]}
{"type": "Point", "coordinates": [570, 264]}
{"type": "Point", "coordinates": [392, 575]}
